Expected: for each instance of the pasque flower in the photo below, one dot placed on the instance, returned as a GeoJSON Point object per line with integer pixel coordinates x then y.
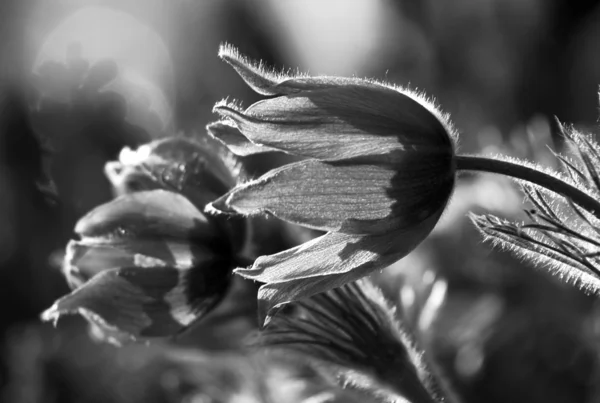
{"type": "Point", "coordinates": [149, 263]}
{"type": "Point", "coordinates": [378, 173]}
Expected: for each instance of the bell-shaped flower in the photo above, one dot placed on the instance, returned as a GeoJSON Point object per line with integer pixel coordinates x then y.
{"type": "Point", "coordinates": [378, 173]}
{"type": "Point", "coordinates": [149, 263]}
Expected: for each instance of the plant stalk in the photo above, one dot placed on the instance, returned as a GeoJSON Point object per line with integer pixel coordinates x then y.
{"type": "Point", "coordinates": [515, 170]}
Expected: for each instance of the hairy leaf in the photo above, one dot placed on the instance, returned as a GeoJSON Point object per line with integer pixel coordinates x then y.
{"type": "Point", "coordinates": [354, 328]}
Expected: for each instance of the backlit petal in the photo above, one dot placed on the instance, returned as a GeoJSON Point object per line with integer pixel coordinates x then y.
{"type": "Point", "coordinates": [343, 122]}
{"type": "Point", "coordinates": [255, 75]}
{"type": "Point", "coordinates": [345, 197]}
{"type": "Point", "coordinates": [327, 262]}
{"type": "Point", "coordinates": [235, 141]}
{"type": "Point", "coordinates": [132, 303]}
{"type": "Point", "coordinates": [268, 82]}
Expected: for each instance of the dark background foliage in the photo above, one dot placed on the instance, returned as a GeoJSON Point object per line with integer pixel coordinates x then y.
{"type": "Point", "coordinates": [501, 68]}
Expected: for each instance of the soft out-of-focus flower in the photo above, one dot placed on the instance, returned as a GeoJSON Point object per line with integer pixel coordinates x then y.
{"type": "Point", "coordinates": [380, 169]}
{"type": "Point", "coordinates": [199, 171]}
{"type": "Point", "coordinates": [149, 263]}
{"type": "Point", "coordinates": [354, 331]}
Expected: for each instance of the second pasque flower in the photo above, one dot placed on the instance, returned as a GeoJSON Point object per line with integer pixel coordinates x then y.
{"type": "Point", "coordinates": [149, 263]}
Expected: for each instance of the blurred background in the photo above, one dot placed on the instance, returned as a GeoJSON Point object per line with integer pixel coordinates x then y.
{"type": "Point", "coordinates": [80, 79]}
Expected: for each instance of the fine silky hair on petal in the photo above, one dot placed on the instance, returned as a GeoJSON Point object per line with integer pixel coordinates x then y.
{"type": "Point", "coordinates": [231, 104]}
{"type": "Point", "coordinates": [265, 81]}
{"type": "Point", "coordinates": [257, 75]}
{"type": "Point", "coordinates": [353, 328]}
{"type": "Point", "coordinates": [431, 105]}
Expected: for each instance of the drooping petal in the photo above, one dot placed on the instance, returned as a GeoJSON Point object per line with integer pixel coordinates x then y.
{"type": "Point", "coordinates": [268, 82]}
{"type": "Point", "coordinates": [346, 197]}
{"type": "Point", "coordinates": [346, 121]}
{"type": "Point", "coordinates": [131, 303]}
{"type": "Point", "coordinates": [155, 213]}
{"type": "Point", "coordinates": [255, 74]}
{"type": "Point", "coordinates": [235, 141]}
{"type": "Point", "coordinates": [89, 257]}
{"type": "Point", "coordinates": [327, 262]}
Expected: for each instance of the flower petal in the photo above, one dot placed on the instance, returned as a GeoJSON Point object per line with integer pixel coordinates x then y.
{"type": "Point", "coordinates": [254, 74]}
{"type": "Point", "coordinates": [346, 121]}
{"type": "Point", "coordinates": [87, 258]}
{"type": "Point", "coordinates": [131, 303]}
{"type": "Point", "coordinates": [345, 197]}
{"type": "Point", "coordinates": [296, 84]}
{"type": "Point", "coordinates": [146, 214]}
{"type": "Point", "coordinates": [326, 262]}
{"type": "Point", "coordinates": [83, 262]}
{"type": "Point", "coordinates": [201, 170]}
{"type": "Point", "coordinates": [267, 82]}
{"type": "Point", "coordinates": [235, 141]}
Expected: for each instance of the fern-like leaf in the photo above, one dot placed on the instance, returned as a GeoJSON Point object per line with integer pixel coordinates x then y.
{"type": "Point", "coordinates": [559, 235]}
{"type": "Point", "coordinates": [353, 330]}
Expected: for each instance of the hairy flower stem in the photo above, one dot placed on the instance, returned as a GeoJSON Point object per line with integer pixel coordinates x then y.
{"type": "Point", "coordinates": [518, 171]}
